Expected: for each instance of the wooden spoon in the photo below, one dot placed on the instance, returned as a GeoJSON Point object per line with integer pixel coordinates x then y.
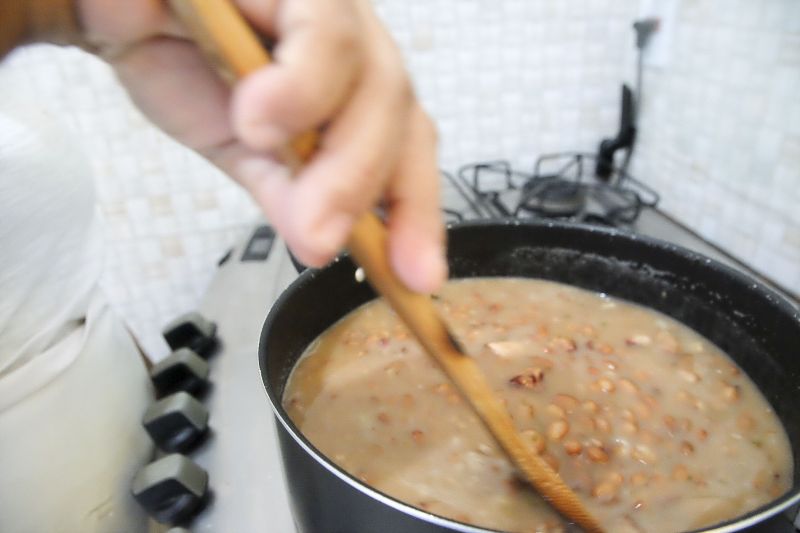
{"type": "Point", "coordinates": [235, 51]}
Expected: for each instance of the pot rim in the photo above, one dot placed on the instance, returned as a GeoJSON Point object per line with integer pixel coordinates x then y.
{"type": "Point", "coordinates": [754, 517]}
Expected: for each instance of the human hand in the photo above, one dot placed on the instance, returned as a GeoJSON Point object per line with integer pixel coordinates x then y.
{"type": "Point", "coordinates": [335, 67]}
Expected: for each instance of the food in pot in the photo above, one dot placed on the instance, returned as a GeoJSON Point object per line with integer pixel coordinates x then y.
{"type": "Point", "coordinates": [653, 426]}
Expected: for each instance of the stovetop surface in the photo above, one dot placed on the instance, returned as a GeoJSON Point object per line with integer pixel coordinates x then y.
{"type": "Point", "coordinates": [241, 455]}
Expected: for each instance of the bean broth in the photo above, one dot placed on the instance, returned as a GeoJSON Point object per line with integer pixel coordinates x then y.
{"type": "Point", "coordinates": [654, 427]}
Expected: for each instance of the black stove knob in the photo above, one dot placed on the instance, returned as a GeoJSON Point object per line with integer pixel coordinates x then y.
{"type": "Point", "coordinates": [172, 489]}
{"type": "Point", "coordinates": [177, 422]}
{"type": "Point", "coordinates": [182, 370]}
{"type": "Point", "coordinates": [191, 330]}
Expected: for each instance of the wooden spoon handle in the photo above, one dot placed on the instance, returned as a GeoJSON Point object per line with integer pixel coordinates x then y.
{"type": "Point", "coordinates": [235, 51]}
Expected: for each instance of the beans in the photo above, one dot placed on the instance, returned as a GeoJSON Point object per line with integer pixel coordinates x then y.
{"type": "Point", "coordinates": [730, 393]}
{"type": "Point", "coordinates": [593, 442]}
{"type": "Point", "coordinates": [644, 454]}
{"type": "Point", "coordinates": [417, 435]}
{"type": "Point", "coordinates": [615, 477]}
{"type": "Point", "coordinates": [384, 418]}
{"type": "Point", "coordinates": [392, 369]}
{"type": "Point", "coordinates": [597, 454]}
{"type": "Point", "coordinates": [685, 362]}
{"type": "Point", "coordinates": [606, 385]}
{"type": "Point", "coordinates": [551, 526]}
{"type": "Point", "coordinates": [686, 448]}
{"type": "Point", "coordinates": [535, 439]}
{"type": "Point", "coordinates": [443, 388]}
{"type": "Point", "coordinates": [527, 381]}
{"type": "Point", "coordinates": [555, 411]}
{"type": "Point", "coordinates": [761, 479]}
{"type": "Point", "coordinates": [628, 386]}
{"type": "Point", "coordinates": [590, 406]}
{"type": "Point", "coordinates": [485, 449]}
{"type": "Point", "coordinates": [671, 423]}
{"type": "Point", "coordinates": [745, 422]}
{"type": "Point", "coordinates": [407, 400]}
{"type": "Point", "coordinates": [606, 491]}
{"type": "Point", "coordinates": [639, 340]}
{"type": "Point", "coordinates": [605, 348]}
{"type": "Point", "coordinates": [507, 348]}
{"type": "Point", "coordinates": [680, 473]}
{"type": "Point", "coordinates": [667, 341]}
{"type": "Point", "coordinates": [630, 427]}
{"type": "Point", "coordinates": [573, 447]}
{"type": "Point", "coordinates": [638, 479]}
{"type": "Point", "coordinates": [642, 410]}
{"type": "Point", "coordinates": [566, 402]}
{"type": "Point", "coordinates": [563, 344]}
{"type": "Point", "coordinates": [688, 375]}
{"type": "Point", "coordinates": [602, 424]}
{"type": "Point", "coordinates": [557, 430]}
{"type": "Point", "coordinates": [648, 437]}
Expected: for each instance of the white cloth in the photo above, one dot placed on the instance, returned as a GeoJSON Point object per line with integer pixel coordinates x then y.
{"type": "Point", "coordinates": [72, 385]}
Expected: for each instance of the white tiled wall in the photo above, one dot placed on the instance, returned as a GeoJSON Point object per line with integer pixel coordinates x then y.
{"type": "Point", "coordinates": [504, 79]}
{"type": "Point", "coordinates": [167, 215]}
{"type": "Point", "coordinates": [515, 78]}
{"type": "Point", "coordinates": [720, 129]}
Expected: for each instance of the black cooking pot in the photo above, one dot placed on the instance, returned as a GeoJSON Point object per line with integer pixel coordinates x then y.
{"type": "Point", "coordinates": [758, 328]}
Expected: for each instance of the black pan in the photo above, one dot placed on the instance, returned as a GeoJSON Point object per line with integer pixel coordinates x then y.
{"type": "Point", "coordinates": [758, 328]}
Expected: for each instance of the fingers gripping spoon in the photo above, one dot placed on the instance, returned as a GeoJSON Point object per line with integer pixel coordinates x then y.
{"type": "Point", "coordinates": [235, 51]}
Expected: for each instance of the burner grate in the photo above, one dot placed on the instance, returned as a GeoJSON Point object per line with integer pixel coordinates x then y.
{"type": "Point", "coordinates": [494, 189]}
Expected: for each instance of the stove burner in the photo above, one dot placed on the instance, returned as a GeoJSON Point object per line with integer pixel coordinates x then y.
{"type": "Point", "coordinates": [494, 189]}
{"type": "Point", "coordinates": [553, 198]}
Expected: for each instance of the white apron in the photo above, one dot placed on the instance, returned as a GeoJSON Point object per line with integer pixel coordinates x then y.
{"type": "Point", "coordinates": [73, 388]}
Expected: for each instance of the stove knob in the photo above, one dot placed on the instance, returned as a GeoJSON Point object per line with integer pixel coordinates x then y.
{"type": "Point", "coordinates": [182, 370]}
{"type": "Point", "coordinates": [177, 422]}
{"type": "Point", "coordinates": [171, 489]}
{"type": "Point", "coordinates": [191, 330]}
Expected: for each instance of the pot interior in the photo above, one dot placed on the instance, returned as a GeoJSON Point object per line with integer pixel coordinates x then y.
{"type": "Point", "coordinates": [757, 328]}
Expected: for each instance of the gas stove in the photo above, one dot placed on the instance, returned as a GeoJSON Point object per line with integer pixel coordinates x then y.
{"type": "Point", "coordinates": [560, 186]}
{"type": "Point", "coordinates": [240, 453]}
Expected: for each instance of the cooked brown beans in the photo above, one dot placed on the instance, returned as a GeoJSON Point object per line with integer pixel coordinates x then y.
{"type": "Point", "coordinates": [636, 413]}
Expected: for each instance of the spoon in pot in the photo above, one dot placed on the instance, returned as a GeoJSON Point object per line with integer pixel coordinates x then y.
{"type": "Point", "coordinates": [235, 51]}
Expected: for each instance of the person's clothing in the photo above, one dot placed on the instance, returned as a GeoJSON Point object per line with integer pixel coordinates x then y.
{"type": "Point", "coordinates": [73, 387]}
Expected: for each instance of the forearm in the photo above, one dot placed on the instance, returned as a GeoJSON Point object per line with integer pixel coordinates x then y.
{"type": "Point", "coordinates": [29, 21]}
